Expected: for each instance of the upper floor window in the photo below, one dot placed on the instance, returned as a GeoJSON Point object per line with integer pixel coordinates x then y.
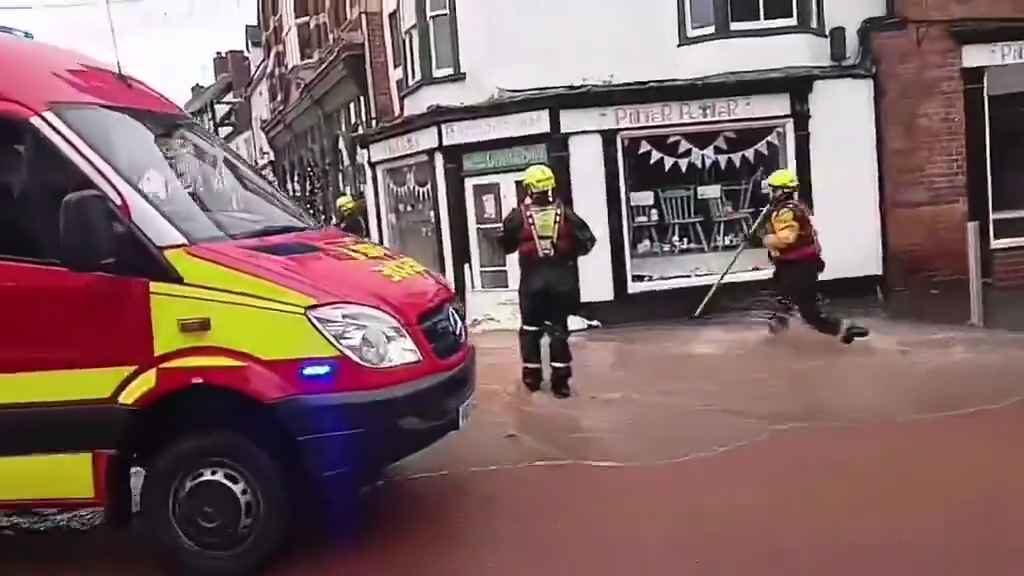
{"type": "Point", "coordinates": [429, 41]}
{"type": "Point", "coordinates": [722, 18]}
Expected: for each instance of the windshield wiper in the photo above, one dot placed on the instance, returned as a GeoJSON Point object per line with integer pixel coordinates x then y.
{"type": "Point", "coordinates": [271, 231]}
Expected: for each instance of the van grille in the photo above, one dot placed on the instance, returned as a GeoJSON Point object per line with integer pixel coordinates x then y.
{"type": "Point", "coordinates": [445, 330]}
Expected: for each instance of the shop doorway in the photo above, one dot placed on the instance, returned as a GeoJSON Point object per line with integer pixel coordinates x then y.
{"type": "Point", "coordinates": [489, 200]}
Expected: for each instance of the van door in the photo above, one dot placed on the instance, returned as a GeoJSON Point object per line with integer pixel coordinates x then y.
{"type": "Point", "coordinates": [67, 340]}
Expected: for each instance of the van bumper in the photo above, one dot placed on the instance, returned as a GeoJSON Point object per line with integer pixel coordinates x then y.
{"type": "Point", "coordinates": [357, 434]}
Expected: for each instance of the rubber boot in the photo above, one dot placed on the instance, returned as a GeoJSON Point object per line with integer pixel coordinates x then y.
{"type": "Point", "coordinates": [560, 383]}
{"type": "Point", "coordinates": [532, 378]}
{"type": "Point", "coordinates": [778, 324]}
{"type": "Point", "coordinates": [851, 332]}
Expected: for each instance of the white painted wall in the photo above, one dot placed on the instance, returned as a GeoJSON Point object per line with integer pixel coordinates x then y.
{"type": "Point", "coordinates": [590, 201]}
{"type": "Point", "coordinates": [538, 43]}
{"type": "Point", "coordinates": [844, 169]}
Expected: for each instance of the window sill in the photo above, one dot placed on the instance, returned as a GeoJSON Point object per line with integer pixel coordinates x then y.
{"type": "Point", "coordinates": [756, 33]}
{"type": "Point", "coordinates": [413, 88]}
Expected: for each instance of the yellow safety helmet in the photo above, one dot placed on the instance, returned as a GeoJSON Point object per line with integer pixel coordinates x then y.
{"type": "Point", "coordinates": [539, 178]}
{"type": "Point", "coordinates": [345, 204]}
{"type": "Point", "coordinates": [783, 179]}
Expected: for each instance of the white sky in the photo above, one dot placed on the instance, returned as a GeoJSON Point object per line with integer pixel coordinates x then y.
{"type": "Point", "coordinates": [169, 44]}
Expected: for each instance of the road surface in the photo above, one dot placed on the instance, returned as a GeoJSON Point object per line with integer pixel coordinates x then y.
{"type": "Point", "coordinates": [692, 450]}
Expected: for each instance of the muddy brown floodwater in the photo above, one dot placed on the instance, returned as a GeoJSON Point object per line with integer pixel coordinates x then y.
{"type": "Point", "coordinates": [692, 450]}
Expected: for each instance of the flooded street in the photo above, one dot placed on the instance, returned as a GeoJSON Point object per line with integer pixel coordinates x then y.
{"type": "Point", "coordinates": [705, 450]}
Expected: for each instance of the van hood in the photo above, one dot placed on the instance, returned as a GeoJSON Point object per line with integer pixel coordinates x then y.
{"type": "Point", "coordinates": [325, 266]}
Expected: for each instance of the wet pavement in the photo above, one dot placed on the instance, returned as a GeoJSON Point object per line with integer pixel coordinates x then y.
{"type": "Point", "coordinates": [704, 450]}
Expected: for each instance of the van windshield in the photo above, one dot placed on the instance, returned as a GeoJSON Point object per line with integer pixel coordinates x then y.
{"type": "Point", "coordinates": [191, 177]}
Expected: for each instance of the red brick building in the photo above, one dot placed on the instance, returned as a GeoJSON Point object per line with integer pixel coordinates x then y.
{"type": "Point", "coordinates": [950, 90]}
{"type": "Point", "coordinates": [327, 79]}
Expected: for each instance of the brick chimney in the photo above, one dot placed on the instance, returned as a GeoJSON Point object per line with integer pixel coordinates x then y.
{"type": "Point", "coordinates": [220, 65]}
{"type": "Point", "coordinates": [240, 70]}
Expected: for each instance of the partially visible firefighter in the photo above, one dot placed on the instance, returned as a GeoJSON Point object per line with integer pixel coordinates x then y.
{"type": "Point", "coordinates": [793, 244]}
{"type": "Point", "coordinates": [549, 238]}
{"type": "Point", "coordinates": [350, 216]}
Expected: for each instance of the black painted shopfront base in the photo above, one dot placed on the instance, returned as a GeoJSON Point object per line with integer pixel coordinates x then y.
{"type": "Point", "coordinates": [855, 297]}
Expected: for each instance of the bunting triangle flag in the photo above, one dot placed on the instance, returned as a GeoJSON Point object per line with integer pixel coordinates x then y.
{"type": "Point", "coordinates": [720, 142]}
{"type": "Point", "coordinates": [669, 161]}
{"type": "Point", "coordinates": [750, 155]}
{"type": "Point", "coordinates": [676, 138]}
{"type": "Point", "coordinates": [656, 156]}
{"type": "Point", "coordinates": [763, 147]}
{"type": "Point", "coordinates": [645, 147]}
{"type": "Point", "coordinates": [698, 160]}
{"type": "Point", "coordinates": [684, 146]}
{"type": "Point", "coordinates": [684, 164]}
{"type": "Point", "coordinates": [775, 137]}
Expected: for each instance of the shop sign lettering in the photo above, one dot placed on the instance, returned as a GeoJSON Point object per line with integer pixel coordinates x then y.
{"type": "Point", "coordinates": [509, 126]}
{"type": "Point", "coordinates": [506, 159]}
{"type": "Point", "coordinates": [700, 111]}
{"type": "Point", "coordinates": [403, 145]}
{"type": "Point", "coordinates": [999, 54]}
{"type": "Point", "coordinates": [669, 113]}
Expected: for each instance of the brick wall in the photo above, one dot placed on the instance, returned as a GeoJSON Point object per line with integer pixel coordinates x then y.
{"type": "Point", "coordinates": [377, 66]}
{"type": "Point", "coordinates": [959, 9]}
{"type": "Point", "coordinates": [923, 147]}
{"type": "Point", "coordinates": [1008, 268]}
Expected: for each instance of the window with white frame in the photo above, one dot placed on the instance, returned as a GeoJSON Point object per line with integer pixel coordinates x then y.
{"type": "Point", "coordinates": [429, 43]}
{"type": "Point", "coordinates": [442, 45]}
{"type": "Point", "coordinates": [707, 19]}
{"type": "Point", "coordinates": [700, 17]}
{"type": "Point", "coordinates": [410, 42]}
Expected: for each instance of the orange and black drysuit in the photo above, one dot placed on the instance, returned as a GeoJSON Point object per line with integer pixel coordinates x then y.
{"type": "Point", "coordinates": [549, 238]}
{"type": "Point", "coordinates": [796, 253]}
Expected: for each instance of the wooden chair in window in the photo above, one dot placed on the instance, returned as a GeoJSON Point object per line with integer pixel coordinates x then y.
{"type": "Point", "coordinates": [680, 212]}
{"type": "Point", "coordinates": [725, 220]}
{"type": "Point", "coordinates": [643, 218]}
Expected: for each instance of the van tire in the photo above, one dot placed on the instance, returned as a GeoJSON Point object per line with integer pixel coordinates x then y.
{"type": "Point", "coordinates": [200, 493]}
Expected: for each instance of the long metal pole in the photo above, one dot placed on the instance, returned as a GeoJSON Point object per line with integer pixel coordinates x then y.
{"type": "Point", "coordinates": [113, 37]}
{"type": "Point", "coordinates": [735, 257]}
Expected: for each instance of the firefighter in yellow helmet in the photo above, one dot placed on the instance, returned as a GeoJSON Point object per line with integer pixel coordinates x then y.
{"type": "Point", "coordinates": [350, 218]}
{"type": "Point", "coordinates": [549, 238]}
{"type": "Point", "coordinates": [793, 244]}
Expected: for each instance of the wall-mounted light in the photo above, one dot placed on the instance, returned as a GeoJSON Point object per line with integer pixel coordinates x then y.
{"type": "Point", "coordinates": [837, 44]}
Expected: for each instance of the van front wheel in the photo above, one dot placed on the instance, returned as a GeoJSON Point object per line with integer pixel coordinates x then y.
{"type": "Point", "coordinates": [216, 504]}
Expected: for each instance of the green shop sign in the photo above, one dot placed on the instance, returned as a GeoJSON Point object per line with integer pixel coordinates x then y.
{"type": "Point", "coordinates": [504, 160]}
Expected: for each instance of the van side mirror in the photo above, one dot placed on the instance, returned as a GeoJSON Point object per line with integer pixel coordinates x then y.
{"type": "Point", "coordinates": [88, 231]}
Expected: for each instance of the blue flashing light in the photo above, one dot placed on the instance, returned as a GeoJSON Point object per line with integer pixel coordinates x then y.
{"type": "Point", "coordinates": [318, 370]}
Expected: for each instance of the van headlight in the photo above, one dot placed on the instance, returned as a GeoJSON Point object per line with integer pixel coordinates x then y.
{"type": "Point", "coordinates": [366, 335]}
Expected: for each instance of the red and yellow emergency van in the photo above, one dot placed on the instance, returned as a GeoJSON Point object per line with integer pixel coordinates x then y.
{"type": "Point", "coordinates": [164, 307]}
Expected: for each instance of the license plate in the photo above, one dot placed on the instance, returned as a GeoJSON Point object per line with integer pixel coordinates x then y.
{"type": "Point", "coordinates": [464, 412]}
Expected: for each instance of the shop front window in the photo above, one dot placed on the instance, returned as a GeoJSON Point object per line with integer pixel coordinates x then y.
{"type": "Point", "coordinates": [410, 206]}
{"type": "Point", "coordinates": [693, 196]}
{"type": "Point", "coordinates": [1006, 151]}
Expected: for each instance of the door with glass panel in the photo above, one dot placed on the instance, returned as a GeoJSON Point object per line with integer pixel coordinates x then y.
{"type": "Point", "coordinates": [488, 200]}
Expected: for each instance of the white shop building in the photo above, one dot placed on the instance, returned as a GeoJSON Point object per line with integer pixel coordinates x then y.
{"type": "Point", "coordinates": [668, 172]}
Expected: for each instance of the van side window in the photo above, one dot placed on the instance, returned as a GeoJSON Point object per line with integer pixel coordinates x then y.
{"type": "Point", "coordinates": [34, 179]}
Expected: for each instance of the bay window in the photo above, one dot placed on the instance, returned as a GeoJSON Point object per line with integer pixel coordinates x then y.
{"type": "Point", "coordinates": [709, 19]}
{"type": "Point", "coordinates": [429, 41]}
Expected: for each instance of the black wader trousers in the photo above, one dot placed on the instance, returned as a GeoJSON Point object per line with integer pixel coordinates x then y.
{"type": "Point", "coordinates": [797, 283]}
{"type": "Point", "coordinates": [545, 307]}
